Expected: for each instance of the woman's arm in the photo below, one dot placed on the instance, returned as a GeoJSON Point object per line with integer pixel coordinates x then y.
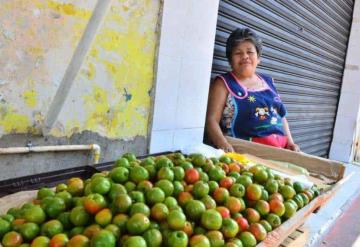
{"type": "Point", "coordinates": [216, 103]}
{"type": "Point", "coordinates": [290, 145]}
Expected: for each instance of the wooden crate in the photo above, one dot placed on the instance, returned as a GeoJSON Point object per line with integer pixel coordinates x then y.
{"type": "Point", "coordinates": [297, 238]}
{"type": "Point", "coordinates": [322, 172]}
{"type": "Point", "coordinates": [288, 234]}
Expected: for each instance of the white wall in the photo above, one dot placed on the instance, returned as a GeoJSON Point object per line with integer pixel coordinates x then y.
{"type": "Point", "coordinates": [183, 73]}
{"type": "Point", "coordinates": [349, 105]}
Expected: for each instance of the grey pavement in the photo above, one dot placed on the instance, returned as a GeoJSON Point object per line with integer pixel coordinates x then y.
{"type": "Point", "coordinates": [321, 222]}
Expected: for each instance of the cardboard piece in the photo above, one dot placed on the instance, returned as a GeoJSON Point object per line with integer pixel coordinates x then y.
{"type": "Point", "coordinates": [16, 200]}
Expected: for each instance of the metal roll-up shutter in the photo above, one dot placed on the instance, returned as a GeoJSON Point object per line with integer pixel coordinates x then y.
{"type": "Point", "coordinates": [305, 44]}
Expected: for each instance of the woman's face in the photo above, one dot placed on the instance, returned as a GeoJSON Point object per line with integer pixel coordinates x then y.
{"type": "Point", "coordinates": [244, 59]}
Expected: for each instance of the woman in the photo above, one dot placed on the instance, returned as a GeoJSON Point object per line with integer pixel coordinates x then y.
{"type": "Point", "coordinates": [245, 104]}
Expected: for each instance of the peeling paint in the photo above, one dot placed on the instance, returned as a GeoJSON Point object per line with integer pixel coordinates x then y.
{"type": "Point", "coordinates": [91, 72]}
{"type": "Point", "coordinates": [13, 122]}
{"type": "Point", "coordinates": [74, 126]}
{"type": "Point", "coordinates": [30, 98]}
{"type": "Point", "coordinates": [135, 50]}
{"type": "Point", "coordinates": [127, 95]}
{"type": "Point", "coordinates": [69, 9]}
{"type": "Point", "coordinates": [110, 95]}
{"type": "Point", "coordinates": [37, 53]}
{"type": "Point", "coordinates": [36, 50]}
{"type": "Point", "coordinates": [99, 102]}
{"type": "Point", "coordinates": [117, 103]}
{"type": "Point", "coordinates": [38, 118]}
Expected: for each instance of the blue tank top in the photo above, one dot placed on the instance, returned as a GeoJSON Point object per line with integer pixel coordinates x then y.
{"type": "Point", "coordinates": [255, 113]}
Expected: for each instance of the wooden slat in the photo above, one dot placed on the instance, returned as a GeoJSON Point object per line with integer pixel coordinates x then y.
{"type": "Point", "coordinates": [331, 169]}
{"type": "Point", "coordinates": [287, 242]}
{"type": "Point", "coordinates": [302, 229]}
{"type": "Point", "coordinates": [277, 236]}
{"type": "Point", "coordinates": [285, 170]}
{"type": "Point", "coordinates": [326, 170]}
{"type": "Point", "coordinates": [295, 234]}
{"type": "Point", "coordinates": [300, 240]}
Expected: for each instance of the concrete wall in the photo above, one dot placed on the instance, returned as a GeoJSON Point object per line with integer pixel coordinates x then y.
{"type": "Point", "coordinates": [344, 139]}
{"type": "Point", "coordinates": [109, 101]}
{"type": "Point", "coordinates": [183, 73]}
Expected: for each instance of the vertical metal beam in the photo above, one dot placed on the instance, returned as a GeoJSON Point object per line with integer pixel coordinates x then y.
{"type": "Point", "coordinates": [76, 61]}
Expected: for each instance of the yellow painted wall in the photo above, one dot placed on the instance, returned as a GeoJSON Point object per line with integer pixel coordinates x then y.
{"type": "Point", "coordinates": [110, 95]}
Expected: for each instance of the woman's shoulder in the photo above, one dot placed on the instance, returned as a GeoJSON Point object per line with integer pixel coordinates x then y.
{"type": "Point", "coordinates": [218, 84]}
{"type": "Point", "coordinates": [224, 76]}
{"type": "Point", "coordinates": [266, 77]}
{"type": "Point", "coordinates": [223, 79]}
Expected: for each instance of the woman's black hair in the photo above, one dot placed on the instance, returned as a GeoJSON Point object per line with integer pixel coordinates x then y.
{"type": "Point", "coordinates": [239, 35]}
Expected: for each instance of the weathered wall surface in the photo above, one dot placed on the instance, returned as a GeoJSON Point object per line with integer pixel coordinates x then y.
{"type": "Point", "coordinates": [37, 41]}
{"type": "Point", "coordinates": [110, 100]}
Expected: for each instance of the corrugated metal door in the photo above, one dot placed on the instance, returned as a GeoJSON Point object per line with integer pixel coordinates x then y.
{"type": "Point", "coordinates": [305, 45]}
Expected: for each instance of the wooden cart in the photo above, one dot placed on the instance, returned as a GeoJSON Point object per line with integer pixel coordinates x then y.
{"type": "Point", "coordinates": [322, 172]}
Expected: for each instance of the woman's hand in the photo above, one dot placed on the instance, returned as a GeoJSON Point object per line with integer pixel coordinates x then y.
{"type": "Point", "coordinates": [290, 145]}
{"type": "Point", "coordinates": [227, 148]}
{"type": "Point", "coordinates": [293, 147]}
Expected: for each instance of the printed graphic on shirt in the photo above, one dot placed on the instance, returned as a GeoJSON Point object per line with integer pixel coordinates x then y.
{"type": "Point", "coordinates": [274, 110]}
{"type": "Point", "coordinates": [273, 120]}
{"type": "Point", "coordinates": [262, 113]}
{"type": "Point", "coordinates": [251, 98]}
